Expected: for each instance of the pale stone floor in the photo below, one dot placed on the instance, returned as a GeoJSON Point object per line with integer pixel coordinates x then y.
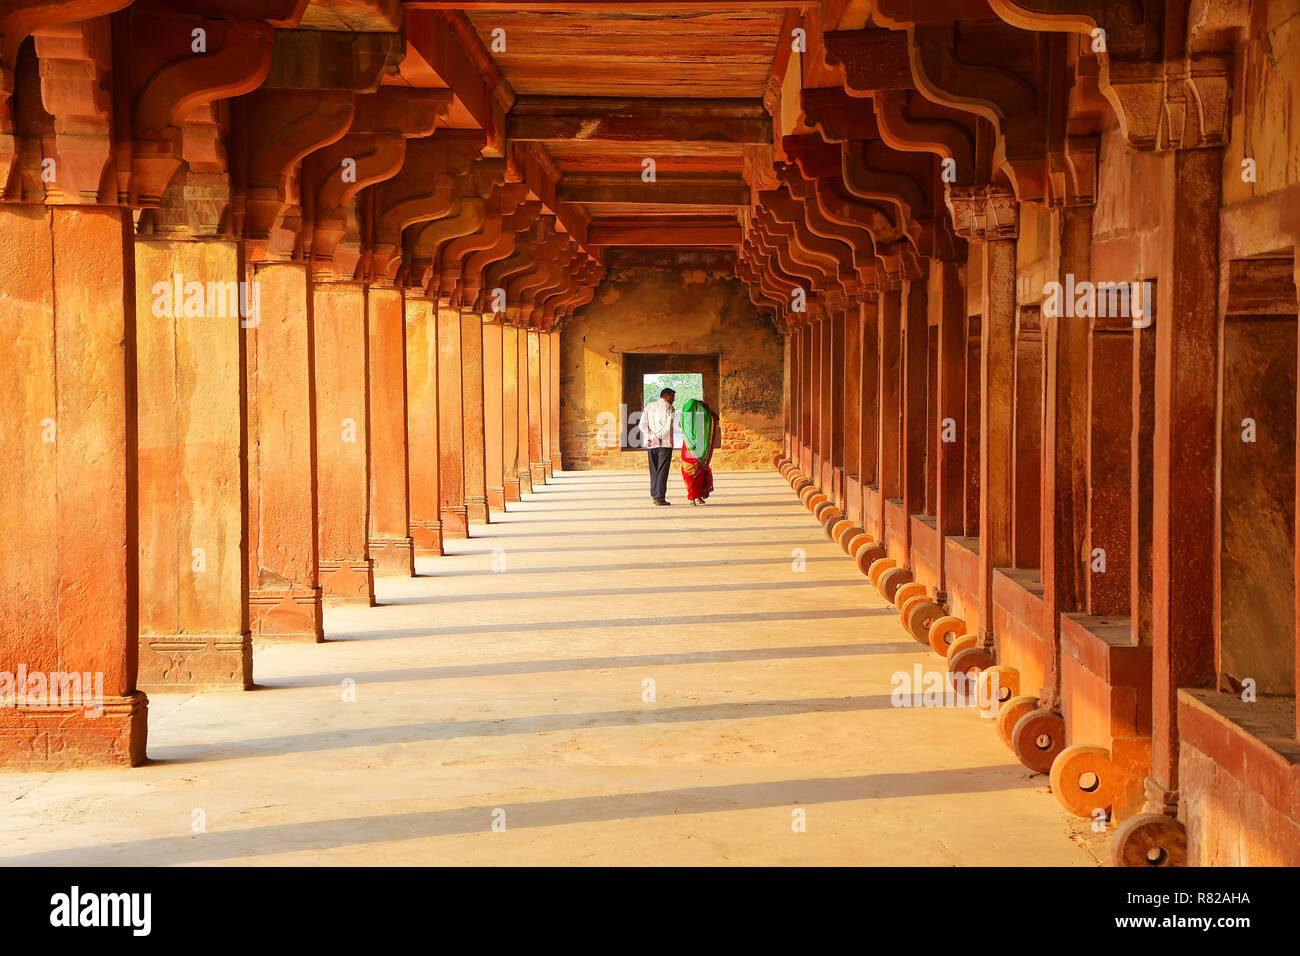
{"type": "Point", "coordinates": [521, 691]}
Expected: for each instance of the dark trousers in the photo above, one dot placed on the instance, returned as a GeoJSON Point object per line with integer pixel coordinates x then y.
{"type": "Point", "coordinates": [660, 461]}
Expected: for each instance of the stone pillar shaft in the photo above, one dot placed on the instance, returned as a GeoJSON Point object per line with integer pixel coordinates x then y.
{"type": "Point", "coordinates": [422, 425]}
{"type": "Point", "coordinates": [391, 544]}
{"type": "Point", "coordinates": [522, 469]}
{"type": "Point", "coordinates": [997, 391]}
{"type": "Point", "coordinates": [1184, 446]}
{"type": "Point", "coordinates": [1063, 510]}
{"type": "Point", "coordinates": [915, 347]}
{"type": "Point", "coordinates": [451, 427]}
{"type": "Point", "coordinates": [69, 430]}
{"type": "Point", "coordinates": [510, 411]}
{"type": "Point", "coordinates": [285, 598]}
{"type": "Point", "coordinates": [556, 461]}
{"type": "Point", "coordinates": [192, 490]}
{"type": "Point", "coordinates": [493, 415]}
{"type": "Point", "coordinates": [343, 442]}
{"type": "Point", "coordinates": [471, 350]}
{"type": "Point", "coordinates": [536, 465]}
{"type": "Point", "coordinates": [544, 375]}
{"type": "Point", "coordinates": [890, 380]}
{"type": "Point", "coordinates": [835, 405]}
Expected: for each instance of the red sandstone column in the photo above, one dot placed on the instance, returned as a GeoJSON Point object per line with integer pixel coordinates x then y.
{"type": "Point", "coordinates": [816, 371]}
{"type": "Point", "coordinates": [525, 401]}
{"type": "Point", "coordinates": [852, 428]}
{"type": "Point", "coordinates": [510, 410]}
{"type": "Point", "coordinates": [997, 377]}
{"type": "Point", "coordinates": [284, 596]}
{"type": "Point", "coordinates": [191, 489]}
{"type": "Point", "coordinates": [1027, 440]}
{"type": "Point", "coordinates": [949, 300]}
{"type": "Point", "coordinates": [451, 427]}
{"type": "Point", "coordinates": [890, 404]}
{"type": "Point", "coordinates": [835, 395]}
{"type": "Point", "coordinates": [544, 372]}
{"type": "Point", "coordinates": [1111, 422]}
{"type": "Point", "coordinates": [391, 544]}
{"type": "Point", "coordinates": [788, 388]}
{"type": "Point", "coordinates": [869, 435]}
{"type": "Point", "coordinates": [974, 400]}
{"type": "Point", "coordinates": [343, 443]}
{"type": "Point", "coordinates": [471, 351]}
{"type": "Point", "coordinates": [493, 408]}
{"type": "Point", "coordinates": [1184, 451]}
{"type": "Point", "coordinates": [68, 449]}
{"type": "Point", "coordinates": [536, 466]}
{"type": "Point", "coordinates": [422, 426]}
{"type": "Point", "coordinates": [1064, 504]}
{"type": "Point", "coordinates": [806, 436]}
{"type": "Point", "coordinates": [556, 461]}
{"type": "Point", "coordinates": [915, 353]}
{"type": "Point", "coordinates": [796, 396]}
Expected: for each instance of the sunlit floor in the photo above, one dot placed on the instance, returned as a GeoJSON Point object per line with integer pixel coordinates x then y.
{"type": "Point", "coordinates": [589, 679]}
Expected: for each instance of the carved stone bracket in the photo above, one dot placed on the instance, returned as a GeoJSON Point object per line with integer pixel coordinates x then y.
{"type": "Point", "coordinates": [1183, 104]}
{"type": "Point", "coordinates": [236, 61]}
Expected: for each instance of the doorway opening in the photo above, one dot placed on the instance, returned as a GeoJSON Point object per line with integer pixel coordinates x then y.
{"type": "Point", "coordinates": [645, 375]}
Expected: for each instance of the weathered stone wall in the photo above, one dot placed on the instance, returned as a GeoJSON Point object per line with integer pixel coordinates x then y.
{"type": "Point", "coordinates": [678, 311]}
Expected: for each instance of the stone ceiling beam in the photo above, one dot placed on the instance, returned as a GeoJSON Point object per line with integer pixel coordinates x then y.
{"type": "Point", "coordinates": [676, 191]}
{"type": "Point", "coordinates": [545, 119]}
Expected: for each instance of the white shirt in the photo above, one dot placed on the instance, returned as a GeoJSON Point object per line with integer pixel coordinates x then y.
{"type": "Point", "coordinates": [657, 424]}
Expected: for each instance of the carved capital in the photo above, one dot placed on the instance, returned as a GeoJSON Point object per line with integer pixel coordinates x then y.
{"type": "Point", "coordinates": [983, 212]}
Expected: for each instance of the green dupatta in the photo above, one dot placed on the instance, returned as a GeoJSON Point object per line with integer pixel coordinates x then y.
{"type": "Point", "coordinates": [697, 426]}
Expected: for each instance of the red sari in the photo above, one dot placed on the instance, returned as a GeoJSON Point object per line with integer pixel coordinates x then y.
{"type": "Point", "coordinates": [695, 469]}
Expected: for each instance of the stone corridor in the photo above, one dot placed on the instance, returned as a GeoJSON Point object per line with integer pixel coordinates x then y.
{"type": "Point", "coordinates": [520, 689]}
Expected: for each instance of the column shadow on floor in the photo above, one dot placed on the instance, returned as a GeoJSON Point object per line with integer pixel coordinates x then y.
{"type": "Point", "coordinates": [559, 665]}
{"type": "Point", "coordinates": [508, 726]}
{"type": "Point", "coordinates": [321, 835]}
{"type": "Point", "coordinates": [630, 590]}
{"type": "Point", "coordinates": [681, 620]}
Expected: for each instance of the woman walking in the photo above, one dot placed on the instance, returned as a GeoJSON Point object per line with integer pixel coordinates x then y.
{"type": "Point", "coordinates": [699, 436]}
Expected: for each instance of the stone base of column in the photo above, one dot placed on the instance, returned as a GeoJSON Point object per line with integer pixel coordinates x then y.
{"type": "Point", "coordinates": [347, 582]}
{"type": "Point", "coordinates": [195, 662]}
{"type": "Point", "coordinates": [496, 499]}
{"type": "Point", "coordinates": [393, 557]}
{"type": "Point", "coordinates": [477, 509]}
{"type": "Point", "coordinates": [512, 488]}
{"type": "Point", "coordinates": [525, 480]}
{"type": "Point", "coordinates": [278, 615]}
{"type": "Point", "coordinates": [455, 522]}
{"type": "Point", "coordinates": [549, 469]}
{"type": "Point", "coordinates": [538, 469]}
{"type": "Point", "coordinates": [426, 538]}
{"type": "Point", "coordinates": [111, 732]}
{"type": "Point", "coordinates": [555, 464]}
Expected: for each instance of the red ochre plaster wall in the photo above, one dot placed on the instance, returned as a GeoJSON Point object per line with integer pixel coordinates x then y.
{"type": "Point", "coordinates": [689, 311]}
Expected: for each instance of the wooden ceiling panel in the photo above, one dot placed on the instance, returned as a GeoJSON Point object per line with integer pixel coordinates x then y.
{"type": "Point", "coordinates": [616, 53]}
{"type": "Point", "coordinates": [671, 159]}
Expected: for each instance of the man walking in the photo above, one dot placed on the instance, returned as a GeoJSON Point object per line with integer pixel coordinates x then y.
{"type": "Point", "coordinates": [657, 426]}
